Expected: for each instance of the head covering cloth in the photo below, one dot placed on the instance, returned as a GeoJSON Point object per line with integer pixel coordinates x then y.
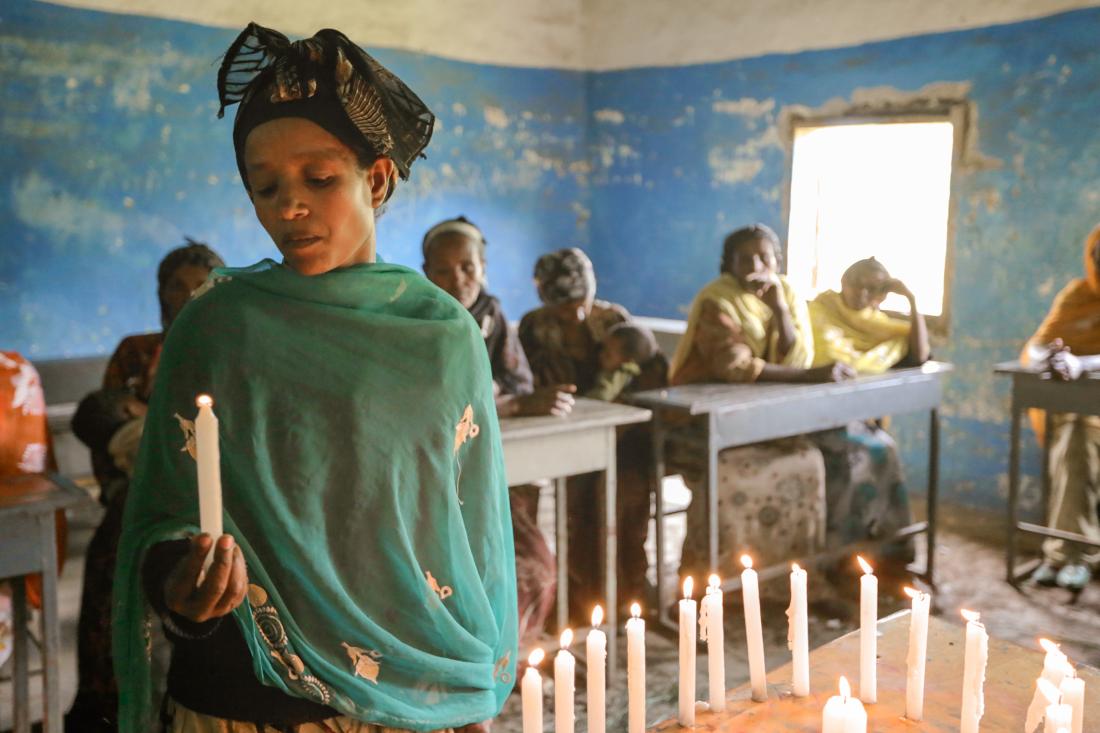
{"type": "Point", "coordinates": [565, 275]}
{"type": "Point", "coordinates": [458, 225]}
{"type": "Point", "coordinates": [328, 80]}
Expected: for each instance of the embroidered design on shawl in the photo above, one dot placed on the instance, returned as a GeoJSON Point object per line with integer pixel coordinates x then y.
{"type": "Point", "coordinates": [208, 285]}
{"type": "Point", "coordinates": [34, 458]}
{"type": "Point", "coordinates": [444, 592]}
{"type": "Point", "coordinates": [363, 662]}
{"type": "Point", "coordinates": [270, 627]}
{"type": "Point", "coordinates": [188, 428]}
{"type": "Point", "coordinates": [500, 671]}
{"type": "Point", "coordinates": [466, 429]}
{"type": "Point", "coordinates": [401, 288]}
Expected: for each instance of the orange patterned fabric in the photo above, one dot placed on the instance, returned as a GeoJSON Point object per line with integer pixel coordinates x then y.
{"type": "Point", "coordinates": [1074, 317]}
{"type": "Point", "coordinates": [25, 445]}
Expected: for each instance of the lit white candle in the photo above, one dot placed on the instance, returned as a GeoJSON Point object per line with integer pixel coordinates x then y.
{"type": "Point", "coordinates": [974, 660]}
{"type": "Point", "coordinates": [798, 633]}
{"type": "Point", "coordinates": [754, 631]}
{"type": "Point", "coordinates": [565, 666]}
{"type": "Point", "coordinates": [596, 654]}
{"type": "Point", "coordinates": [532, 694]}
{"type": "Point", "coordinates": [635, 670]}
{"type": "Point", "coordinates": [710, 626]}
{"type": "Point", "coordinates": [208, 458]}
{"type": "Point", "coordinates": [868, 633]}
{"type": "Point", "coordinates": [1073, 694]}
{"type": "Point", "coordinates": [843, 713]}
{"type": "Point", "coordinates": [687, 656]}
{"type": "Point", "coordinates": [1057, 715]}
{"type": "Point", "coordinates": [1055, 667]}
{"type": "Point", "coordinates": [918, 654]}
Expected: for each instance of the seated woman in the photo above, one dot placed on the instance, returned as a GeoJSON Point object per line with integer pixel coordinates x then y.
{"type": "Point", "coordinates": [110, 422]}
{"type": "Point", "coordinates": [865, 489]}
{"type": "Point", "coordinates": [454, 259]}
{"type": "Point", "coordinates": [1067, 345]}
{"type": "Point", "coordinates": [747, 326]}
{"type": "Point", "coordinates": [562, 339]}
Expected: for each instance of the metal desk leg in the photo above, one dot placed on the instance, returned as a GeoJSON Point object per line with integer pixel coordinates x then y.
{"type": "Point", "coordinates": [21, 650]}
{"type": "Point", "coordinates": [1048, 433]}
{"type": "Point", "coordinates": [1013, 493]}
{"type": "Point", "coordinates": [611, 561]}
{"type": "Point", "coordinates": [712, 497]}
{"type": "Point", "coordinates": [659, 507]}
{"type": "Point", "coordinates": [51, 631]}
{"type": "Point", "coordinates": [933, 495]}
{"type": "Point", "coordinates": [561, 550]}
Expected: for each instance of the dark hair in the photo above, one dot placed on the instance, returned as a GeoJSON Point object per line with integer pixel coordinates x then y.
{"type": "Point", "coordinates": [637, 341]}
{"type": "Point", "coordinates": [744, 235]}
{"type": "Point", "coordinates": [442, 228]}
{"type": "Point", "coordinates": [191, 253]}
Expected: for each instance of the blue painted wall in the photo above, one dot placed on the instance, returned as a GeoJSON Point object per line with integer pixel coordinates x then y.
{"type": "Point", "coordinates": [681, 156]}
{"type": "Point", "coordinates": [110, 152]}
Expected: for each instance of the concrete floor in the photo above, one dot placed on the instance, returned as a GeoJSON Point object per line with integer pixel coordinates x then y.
{"type": "Point", "coordinates": [968, 575]}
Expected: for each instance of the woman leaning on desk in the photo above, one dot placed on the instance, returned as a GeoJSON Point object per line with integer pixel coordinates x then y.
{"type": "Point", "coordinates": [747, 326]}
{"type": "Point", "coordinates": [865, 489]}
{"type": "Point", "coordinates": [1067, 345]}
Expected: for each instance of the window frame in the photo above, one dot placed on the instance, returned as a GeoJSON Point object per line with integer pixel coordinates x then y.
{"type": "Point", "coordinates": [957, 113]}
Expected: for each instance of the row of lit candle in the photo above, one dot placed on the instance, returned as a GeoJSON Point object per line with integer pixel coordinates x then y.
{"type": "Point", "coordinates": [1058, 701]}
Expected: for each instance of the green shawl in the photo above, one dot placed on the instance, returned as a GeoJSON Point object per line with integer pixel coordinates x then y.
{"type": "Point", "coordinates": [363, 479]}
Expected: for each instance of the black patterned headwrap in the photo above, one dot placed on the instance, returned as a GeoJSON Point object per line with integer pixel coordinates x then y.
{"type": "Point", "coordinates": [330, 81]}
{"type": "Point", "coordinates": [565, 275]}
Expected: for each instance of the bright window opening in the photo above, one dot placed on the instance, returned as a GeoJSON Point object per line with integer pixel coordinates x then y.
{"type": "Point", "coordinates": [866, 190]}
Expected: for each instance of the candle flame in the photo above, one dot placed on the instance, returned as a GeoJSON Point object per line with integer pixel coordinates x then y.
{"type": "Point", "coordinates": [597, 616]}
{"type": "Point", "coordinates": [566, 638]}
{"type": "Point", "coordinates": [204, 400]}
{"type": "Point", "coordinates": [795, 568]}
{"type": "Point", "coordinates": [1050, 692]}
{"type": "Point", "coordinates": [1049, 646]}
{"type": "Point", "coordinates": [970, 615]}
{"type": "Point", "coordinates": [746, 561]}
{"type": "Point", "coordinates": [914, 594]}
{"type": "Point", "coordinates": [845, 688]}
{"type": "Point", "coordinates": [714, 582]}
{"type": "Point", "coordinates": [864, 564]}
{"type": "Point", "coordinates": [635, 610]}
{"type": "Point", "coordinates": [536, 657]}
{"type": "Point", "coordinates": [689, 585]}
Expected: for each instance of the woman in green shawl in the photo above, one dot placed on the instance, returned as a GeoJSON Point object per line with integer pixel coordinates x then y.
{"type": "Point", "coordinates": [366, 577]}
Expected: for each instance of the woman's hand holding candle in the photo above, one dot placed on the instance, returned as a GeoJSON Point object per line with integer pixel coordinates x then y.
{"type": "Point", "coordinates": [222, 589]}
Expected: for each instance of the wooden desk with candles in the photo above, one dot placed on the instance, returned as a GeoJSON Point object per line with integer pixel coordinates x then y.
{"type": "Point", "coordinates": [730, 415]}
{"type": "Point", "coordinates": [552, 447]}
{"type": "Point", "coordinates": [1010, 683]}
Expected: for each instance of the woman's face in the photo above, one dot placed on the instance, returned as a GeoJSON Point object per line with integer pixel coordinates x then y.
{"type": "Point", "coordinates": [454, 264]}
{"type": "Point", "coordinates": [864, 289]}
{"type": "Point", "coordinates": [311, 195]}
{"type": "Point", "coordinates": [752, 261]}
{"type": "Point", "coordinates": [177, 290]}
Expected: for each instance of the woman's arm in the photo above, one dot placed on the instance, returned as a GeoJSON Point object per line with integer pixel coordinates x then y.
{"type": "Point", "coordinates": [784, 323]}
{"type": "Point", "coordinates": [919, 349]}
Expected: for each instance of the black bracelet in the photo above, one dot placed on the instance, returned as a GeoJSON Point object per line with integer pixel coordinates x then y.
{"type": "Point", "coordinates": [175, 629]}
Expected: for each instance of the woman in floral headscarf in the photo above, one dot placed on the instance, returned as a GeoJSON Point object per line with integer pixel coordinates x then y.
{"type": "Point", "coordinates": [1067, 344]}
{"type": "Point", "coordinates": [366, 580]}
{"type": "Point", "coordinates": [562, 340]}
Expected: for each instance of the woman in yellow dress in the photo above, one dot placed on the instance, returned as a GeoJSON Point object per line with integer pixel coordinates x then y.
{"type": "Point", "coordinates": [865, 489]}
